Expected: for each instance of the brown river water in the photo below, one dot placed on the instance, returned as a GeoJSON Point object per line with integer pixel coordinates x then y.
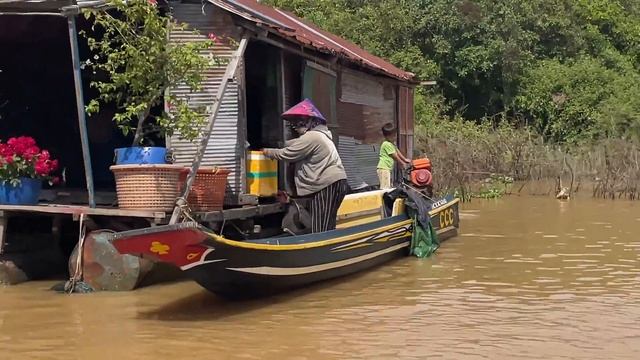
{"type": "Point", "coordinates": [528, 278]}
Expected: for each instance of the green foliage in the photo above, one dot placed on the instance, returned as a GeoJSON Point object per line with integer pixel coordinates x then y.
{"type": "Point", "coordinates": [580, 100]}
{"type": "Point", "coordinates": [493, 187]}
{"type": "Point", "coordinates": [139, 64]}
{"type": "Point", "coordinates": [465, 153]}
{"type": "Point", "coordinates": [505, 59]}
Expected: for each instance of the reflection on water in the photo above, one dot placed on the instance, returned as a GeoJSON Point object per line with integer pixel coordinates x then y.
{"type": "Point", "coordinates": [527, 278]}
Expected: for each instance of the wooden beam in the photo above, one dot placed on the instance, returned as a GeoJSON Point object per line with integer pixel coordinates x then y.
{"type": "Point", "coordinates": [228, 75]}
{"type": "Point", "coordinates": [3, 231]}
{"type": "Point", "coordinates": [82, 121]}
{"type": "Point", "coordinates": [296, 51]}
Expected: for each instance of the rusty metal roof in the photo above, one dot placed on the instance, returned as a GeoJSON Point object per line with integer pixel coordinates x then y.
{"type": "Point", "coordinates": [47, 7]}
{"type": "Point", "coordinates": [296, 29]}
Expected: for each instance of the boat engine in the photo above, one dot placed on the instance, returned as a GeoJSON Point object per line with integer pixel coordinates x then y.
{"type": "Point", "coordinates": [420, 175]}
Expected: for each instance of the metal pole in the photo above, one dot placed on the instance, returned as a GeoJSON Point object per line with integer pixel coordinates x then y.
{"type": "Point", "coordinates": [82, 122]}
{"type": "Point", "coordinates": [229, 73]}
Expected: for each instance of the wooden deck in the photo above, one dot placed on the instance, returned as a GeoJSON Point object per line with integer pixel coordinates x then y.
{"type": "Point", "coordinates": [56, 209]}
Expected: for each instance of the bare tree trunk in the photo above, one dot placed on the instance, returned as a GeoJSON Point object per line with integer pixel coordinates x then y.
{"type": "Point", "coordinates": [141, 118]}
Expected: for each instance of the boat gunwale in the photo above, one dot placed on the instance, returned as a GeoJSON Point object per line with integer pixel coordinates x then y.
{"type": "Point", "coordinates": [312, 244]}
{"type": "Point", "coordinates": [215, 238]}
{"type": "Point", "coordinates": [306, 245]}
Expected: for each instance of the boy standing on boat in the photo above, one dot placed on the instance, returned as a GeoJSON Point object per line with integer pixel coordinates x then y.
{"type": "Point", "coordinates": [319, 173]}
{"type": "Point", "coordinates": [389, 153]}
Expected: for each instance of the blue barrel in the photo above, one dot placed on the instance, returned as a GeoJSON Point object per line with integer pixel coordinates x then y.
{"type": "Point", "coordinates": [141, 155]}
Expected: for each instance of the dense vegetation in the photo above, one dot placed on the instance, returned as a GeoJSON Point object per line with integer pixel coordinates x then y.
{"type": "Point", "coordinates": [562, 75]}
{"type": "Point", "coordinates": [568, 68]}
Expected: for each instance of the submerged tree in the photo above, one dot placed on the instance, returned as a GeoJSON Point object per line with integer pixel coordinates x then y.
{"type": "Point", "coordinates": [138, 64]}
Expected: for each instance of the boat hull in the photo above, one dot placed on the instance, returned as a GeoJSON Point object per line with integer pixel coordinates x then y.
{"type": "Point", "coordinates": [237, 271]}
{"type": "Point", "coordinates": [250, 268]}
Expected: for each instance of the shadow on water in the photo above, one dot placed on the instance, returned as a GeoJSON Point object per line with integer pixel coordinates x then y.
{"type": "Point", "coordinates": [206, 306]}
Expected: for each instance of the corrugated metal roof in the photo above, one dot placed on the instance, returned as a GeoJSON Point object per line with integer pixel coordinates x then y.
{"type": "Point", "coordinates": [304, 32]}
{"type": "Point", "coordinates": [283, 22]}
{"type": "Point", "coordinates": [46, 6]}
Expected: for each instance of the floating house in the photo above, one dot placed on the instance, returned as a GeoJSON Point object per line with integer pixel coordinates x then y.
{"type": "Point", "coordinates": [43, 89]}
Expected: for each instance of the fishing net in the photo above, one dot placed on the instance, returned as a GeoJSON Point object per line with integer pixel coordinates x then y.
{"type": "Point", "coordinates": [424, 241]}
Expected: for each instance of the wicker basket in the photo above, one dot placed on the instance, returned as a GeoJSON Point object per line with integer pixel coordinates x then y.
{"type": "Point", "coordinates": [208, 189]}
{"type": "Point", "coordinates": [148, 187]}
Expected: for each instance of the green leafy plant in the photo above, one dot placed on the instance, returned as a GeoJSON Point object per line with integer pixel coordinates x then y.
{"type": "Point", "coordinates": [494, 187]}
{"type": "Point", "coordinates": [136, 63]}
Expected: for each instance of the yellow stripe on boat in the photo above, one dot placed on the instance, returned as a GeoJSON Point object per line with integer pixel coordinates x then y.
{"type": "Point", "coordinates": [351, 237]}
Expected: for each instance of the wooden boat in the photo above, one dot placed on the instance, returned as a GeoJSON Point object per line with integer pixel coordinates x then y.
{"type": "Point", "coordinates": [231, 268]}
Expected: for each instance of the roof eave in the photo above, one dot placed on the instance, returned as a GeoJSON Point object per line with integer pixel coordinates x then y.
{"type": "Point", "coordinates": [287, 34]}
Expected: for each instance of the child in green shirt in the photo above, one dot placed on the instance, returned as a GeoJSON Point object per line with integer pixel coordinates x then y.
{"type": "Point", "coordinates": [389, 153]}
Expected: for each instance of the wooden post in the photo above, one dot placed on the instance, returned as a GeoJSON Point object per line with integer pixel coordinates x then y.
{"type": "Point", "coordinates": [228, 75]}
{"type": "Point", "coordinates": [3, 231]}
{"type": "Point", "coordinates": [84, 135]}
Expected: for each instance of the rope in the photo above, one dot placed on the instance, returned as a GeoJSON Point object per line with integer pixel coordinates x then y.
{"type": "Point", "coordinates": [185, 210]}
{"type": "Point", "coordinates": [78, 273]}
{"type": "Point", "coordinates": [417, 191]}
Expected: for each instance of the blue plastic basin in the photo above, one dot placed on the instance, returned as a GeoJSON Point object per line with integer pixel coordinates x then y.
{"type": "Point", "coordinates": [26, 193]}
{"type": "Point", "coordinates": [141, 155]}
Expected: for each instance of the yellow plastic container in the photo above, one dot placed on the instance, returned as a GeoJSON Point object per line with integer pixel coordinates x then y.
{"type": "Point", "coordinates": [262, 174]}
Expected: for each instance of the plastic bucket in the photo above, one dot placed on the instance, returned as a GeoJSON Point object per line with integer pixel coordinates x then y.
{"type": "Point", "coordinates": [262, 174]}
{"type": "Point", "coordinates": [26, 193]}
{"type": "Point", "coordinates": [140, 155]}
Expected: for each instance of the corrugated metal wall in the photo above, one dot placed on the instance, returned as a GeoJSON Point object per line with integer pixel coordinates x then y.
{"type": "Point", "coordinates": [366, 103]}
{"type": "Point", "coordinates": [360, 88]}
{"type": "Point", "coordinates": [347, 150]}
{"type": "Point", "coordinates": [226, 145]}
{"type": "Point", "coordinates": [351, 120]}
{"type": "Point", "coordinates": [367, 156]}
{"type": "Point", "coordinates": [360, 162]}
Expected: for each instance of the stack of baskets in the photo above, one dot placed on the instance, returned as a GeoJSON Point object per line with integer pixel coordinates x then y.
{"type": "Point", "coordinates": [156, 187]}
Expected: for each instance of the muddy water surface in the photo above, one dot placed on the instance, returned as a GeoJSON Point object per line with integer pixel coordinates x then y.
{"type": "Point", "coordinates": [527, 278]}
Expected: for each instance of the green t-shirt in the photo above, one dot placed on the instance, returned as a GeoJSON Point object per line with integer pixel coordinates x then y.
{"type": "Point", "coordinates": [386, 150]}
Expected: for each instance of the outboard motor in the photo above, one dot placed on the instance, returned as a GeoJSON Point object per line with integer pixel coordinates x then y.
{"type": "Point", "coordinates": [421, 172]}
{"type": "Point", "coordinates": [420, 176]}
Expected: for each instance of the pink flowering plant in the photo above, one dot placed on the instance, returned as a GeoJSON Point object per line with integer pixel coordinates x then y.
{"type": "Point", "coordinates": [20, 157]}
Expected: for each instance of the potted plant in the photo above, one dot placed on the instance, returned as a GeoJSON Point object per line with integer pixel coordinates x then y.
{"type": "Point", "coordinates": [23, 168]}
{"type": "Point", "coordinates": [137, 64]}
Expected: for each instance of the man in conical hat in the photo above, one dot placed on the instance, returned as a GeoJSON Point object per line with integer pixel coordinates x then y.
{"type": "Point", "coordinates": [319, 173]}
